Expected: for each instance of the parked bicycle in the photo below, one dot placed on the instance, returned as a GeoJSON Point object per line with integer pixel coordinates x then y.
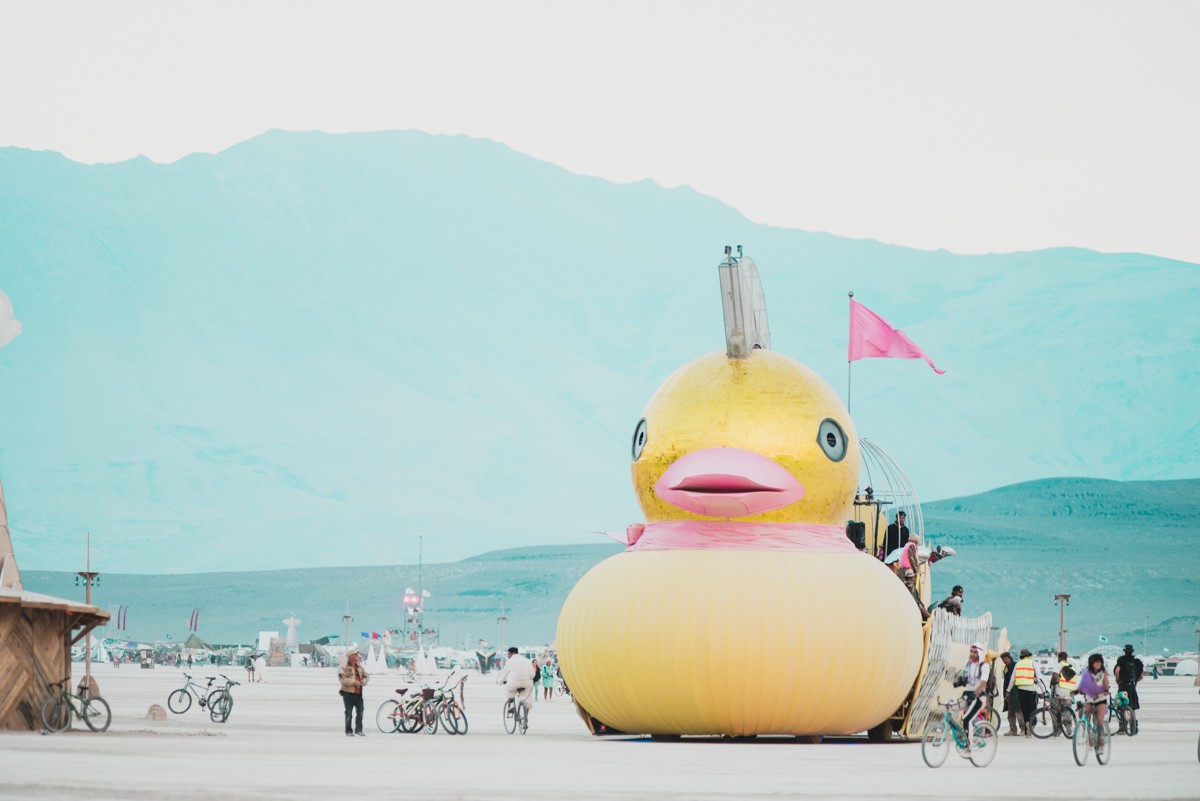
{"type": "Point", "coordinates": [220, 700]}
{"type": "Point", "coordinates": [180, 701]}
{"type": "Point", "coordinates": [516, 713]}
{"type": "Point", "coordinates": [451, 707]}
{"type": "Point", "coordinates": [1052, 718]}
{"type": "Point", "coordinates": [979, 745]}
{"type": "Point", "coordinates": [63, 705]}
{"type": "Point", "coordinates": [560, 686]}
{"type": "Point", "coordinates": [1090, 737]}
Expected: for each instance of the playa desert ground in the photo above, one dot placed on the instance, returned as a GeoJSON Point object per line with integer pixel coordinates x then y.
{"type": "Point", "coordinates": [285, 740]}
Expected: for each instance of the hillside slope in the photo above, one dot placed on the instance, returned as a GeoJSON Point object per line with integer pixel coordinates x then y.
{"type": "Point", "coordinates": [308, 349]}
{"type": "Point", "coordinates": [1128, 551]}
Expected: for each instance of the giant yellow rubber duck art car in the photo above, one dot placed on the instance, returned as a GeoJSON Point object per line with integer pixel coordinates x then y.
{"type": "Point", "coordinates": [740, 607]}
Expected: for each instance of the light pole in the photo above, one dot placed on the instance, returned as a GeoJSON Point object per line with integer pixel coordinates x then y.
{"type": "Point", "coordinates": [1064, 600]}
{"type": "Point", "coordinates": [346, 619]}
{"type": "Point", "coordinates": [89, 577]}
{"type": "Point", "coordinates": [501, 620]}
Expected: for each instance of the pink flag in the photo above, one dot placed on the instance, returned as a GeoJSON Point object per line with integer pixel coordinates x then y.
{"type": "Point", "coordinates": [871, 336]}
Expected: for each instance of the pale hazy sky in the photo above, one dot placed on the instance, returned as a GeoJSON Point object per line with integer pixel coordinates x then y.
{"type": "Point", "coordinates": [970, 126]}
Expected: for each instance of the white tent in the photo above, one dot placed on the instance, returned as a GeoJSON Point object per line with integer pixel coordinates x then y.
{"type": "Point", "coordinates": [375, 658]}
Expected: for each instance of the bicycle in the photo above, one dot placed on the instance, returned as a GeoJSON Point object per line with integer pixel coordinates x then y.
{"type": "Point", "coordinates": [180, 701]}
{"type": "Point", "coordinates": [516, 715]}
{"type": "Point", "coordinates": [451, 708]}
{"type": "Point", "coordinates": [62, 705]}
{"type": "Point", "coordinates": [979, 747]}
{"type": "Point", "coordinates": [220, 701]}
{"type": "Point", "coordinates": [1090, 736]}
{"type": "Point", "coordinates": [1120, 715]}
{"type": "Point", "coordinates": [560, 686]}
{"type": "Point", "coordinates": [1052, 718]}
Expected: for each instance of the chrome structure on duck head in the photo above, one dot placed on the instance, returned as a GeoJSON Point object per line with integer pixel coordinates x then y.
{"type": "Point", "coordinates": [743, 304]}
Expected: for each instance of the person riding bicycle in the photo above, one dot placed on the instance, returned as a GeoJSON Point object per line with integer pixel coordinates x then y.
{"type": "Point", "coordinates": [1093, 685]}
{"type": "Point", "coordinates": [517, 676]}
{"type": "Point", "coordinates": [974, 678]}
{"type": "Point", "coordinates": [1063, 684]}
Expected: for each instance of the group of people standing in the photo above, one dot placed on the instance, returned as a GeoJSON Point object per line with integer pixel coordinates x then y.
{"type": "Point", "coordinates": [1020, 687]}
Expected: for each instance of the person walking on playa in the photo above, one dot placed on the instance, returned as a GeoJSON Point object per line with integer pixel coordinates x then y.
{"type": "Point", "coordinates": [1128, 672]}
{"type": "Point", "coordinates": [547, 680]}
{"type": "Point", "coordinates": [353, 678]}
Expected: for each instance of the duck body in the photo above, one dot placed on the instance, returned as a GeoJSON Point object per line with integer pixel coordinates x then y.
{"type": "Point", "coordinates": [741, 608]}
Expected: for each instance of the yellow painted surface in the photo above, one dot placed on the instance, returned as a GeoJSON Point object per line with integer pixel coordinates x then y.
{"type": "Point", "coordinates": [742, 642]}
{"type": "Point", "coordinates": [767, 403]}
{"type": "Point", "coordinates": [739, 642]}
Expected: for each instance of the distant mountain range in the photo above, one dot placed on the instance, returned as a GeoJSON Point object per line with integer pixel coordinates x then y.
{"type": "Point", "coordinates": [1125, 551]}
{"type": "Point", "coordinates": [308, 349]}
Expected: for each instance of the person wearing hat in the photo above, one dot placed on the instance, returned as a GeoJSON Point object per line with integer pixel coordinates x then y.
{"type": "Point", "coordinates": [1025, 680]}
{"type": "Point", "coordinates": [976, 674]}
{"type": "Point", "coordinates": [353, 678]}
{"type": "Point", "coordinates": [1007, 692]}
{"type": "Point", "coordinates": [1128, 672]}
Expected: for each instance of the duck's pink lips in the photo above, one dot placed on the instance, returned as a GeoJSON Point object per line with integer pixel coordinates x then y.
{"type": "Point", "coordinates": [728, 482]}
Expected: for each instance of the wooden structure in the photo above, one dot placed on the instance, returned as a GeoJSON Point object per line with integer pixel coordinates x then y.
{"type": "Point", "coordinates": [36, 635]}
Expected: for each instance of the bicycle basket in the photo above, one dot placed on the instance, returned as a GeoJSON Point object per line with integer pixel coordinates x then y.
{"type": "Point", "coordinates": [427, 693]}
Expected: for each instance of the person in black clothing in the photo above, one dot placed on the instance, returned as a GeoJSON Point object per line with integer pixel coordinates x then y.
{"type": "Point", "coordinates": [1128, 672]}
{"type": "Point", "coordinates": [1007, 692]}
{"type": "Point", "coordinates": [897, 535]}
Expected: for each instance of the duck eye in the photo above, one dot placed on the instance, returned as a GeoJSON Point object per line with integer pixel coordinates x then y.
{"type": "Point", "coordinates": [639, 438]}
{"type": "Point", "coordinates": [832, 440]}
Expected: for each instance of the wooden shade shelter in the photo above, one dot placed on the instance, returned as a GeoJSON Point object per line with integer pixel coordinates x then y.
{"type": "Point", "coordinates": [36, 635]}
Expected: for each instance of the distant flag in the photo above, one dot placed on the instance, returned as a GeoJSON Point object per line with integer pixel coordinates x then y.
{"type": "Point", "coordinates": [424, 593]}
{"type": "Point", "coordinates": [872, 337]}
{"type": "Point", "coordinates": [374, 635]}
{"type": "Point", "coordinates": [194, 620]}
{"type": "Point", "coordinates": [9, 327]}
{"type": "Point", "coordinates": [365, 634]}
{"type": "Point", "coordinates": [1103, 639]}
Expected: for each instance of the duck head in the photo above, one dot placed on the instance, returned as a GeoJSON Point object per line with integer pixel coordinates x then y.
{"type": "Point", "coordinates": [758, 438]}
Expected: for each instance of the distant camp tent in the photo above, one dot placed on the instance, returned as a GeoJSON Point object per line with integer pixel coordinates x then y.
{"type": "Point", "coordinates": [196, 643]}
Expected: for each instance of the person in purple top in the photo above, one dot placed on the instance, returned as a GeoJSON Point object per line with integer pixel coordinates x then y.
{"type": "Point", "coordinates": [1093, 685]}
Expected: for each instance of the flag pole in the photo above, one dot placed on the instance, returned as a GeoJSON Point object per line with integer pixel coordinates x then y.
{"type": "Point", "coordinates": [849, 364]}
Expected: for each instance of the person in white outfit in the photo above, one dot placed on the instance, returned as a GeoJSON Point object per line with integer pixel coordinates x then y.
{"type": "Point", "coordinates": [517, 678]}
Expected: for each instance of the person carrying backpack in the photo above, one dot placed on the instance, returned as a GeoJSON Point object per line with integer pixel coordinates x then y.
{"type": "Point", "coordinates": [1128, 672]}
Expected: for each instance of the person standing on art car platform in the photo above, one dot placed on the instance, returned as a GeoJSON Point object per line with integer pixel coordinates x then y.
{"type": "Point", "coordinates": [353, 678]}
{"type": "Point", "coordinates": [897, 535]}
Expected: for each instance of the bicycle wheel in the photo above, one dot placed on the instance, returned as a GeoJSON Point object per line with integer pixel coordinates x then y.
{"type": "Point", "coordinates": [1125, 721]}
{"type": "Point", "coordinates": [510, 716]}
{"type": "Point", "coordinates": [220, 704]}
{"type": "Point", "coordinates": [453, 719]}
{"type": "Point", "coordinates": [56, 713]}
{"type": "Point", "coordinates": [460, 719]}
{"type": "Point", "coordinates": [1103, 746]}
{"type": "Point", "coordinates": [430, 718]}
{"type": "Point", "coordinates": [984, 741]}
{"type": "Point", "coordinates": [387, 717]}
{"type": "Point", "coordinates": [1066, 720]}
{"type": "Point", "coordinates": [1042, 723]}
{"type": "Point", "coordinates": [96, 713]}
{"type": "Point", "coordinates": [993, 717]}
{"type": "Point", "coordinates": [413, 718]}
{"type": "Point", "coordinates": [523, 711]}
{"type": "Point", "coordinates": [936, 745]}
{"type": "Point", "coordinates": [1079, 743]}
{"type": "Point", "coordinates": [560, 688]}
{"type": "Point", "coordinates": [179, 701]}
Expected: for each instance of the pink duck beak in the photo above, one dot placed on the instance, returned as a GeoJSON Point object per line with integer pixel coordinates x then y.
{"type": "Point", "coordinates": [728, 482]}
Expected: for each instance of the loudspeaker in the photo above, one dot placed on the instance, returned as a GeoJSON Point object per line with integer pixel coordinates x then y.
{"type": "Point", "coordinates": [856, 532]}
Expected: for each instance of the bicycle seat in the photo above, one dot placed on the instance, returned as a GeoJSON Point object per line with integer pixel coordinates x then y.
{"type": "Point", "coordinates": [402, 691]}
